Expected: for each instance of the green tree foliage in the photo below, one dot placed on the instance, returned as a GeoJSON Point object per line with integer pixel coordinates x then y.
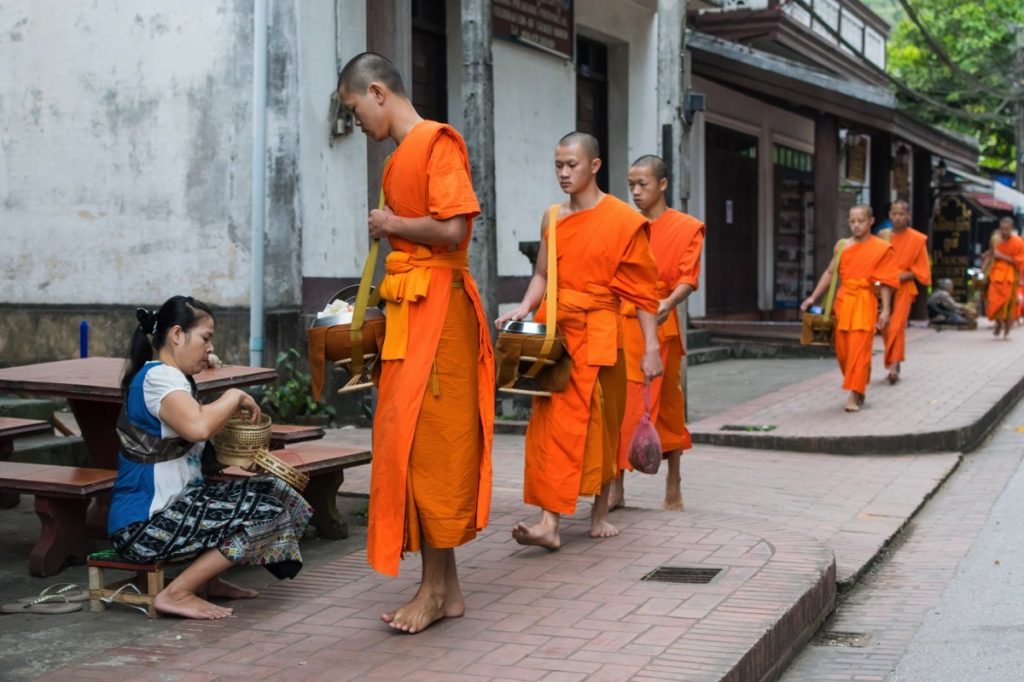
{"type": "Point", "coordinates": [980, 96]}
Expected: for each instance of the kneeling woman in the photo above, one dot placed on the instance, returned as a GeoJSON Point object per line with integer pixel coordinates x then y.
{"type": "Point", "coordinates": [162, 509]}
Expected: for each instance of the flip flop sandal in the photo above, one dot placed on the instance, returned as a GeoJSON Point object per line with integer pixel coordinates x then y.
{"type": "Point", "coordinates": [69, 591]}
{"type": "Point", "coordinates": [52, 603]}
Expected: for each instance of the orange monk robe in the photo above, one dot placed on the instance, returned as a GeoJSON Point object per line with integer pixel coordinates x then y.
{"type": "Point", "coordinates": [676, 243]}
{"type": "Point", "coordinates": [861, 265]}
{"type": "Point", "coordinates": [433, 425]}
{"type": "Point", "coordinates": [1001, 301]}
{"type": "Point", "coordinates": [910, 250]}
{"type": "Point", "coordinates": [604, 257]}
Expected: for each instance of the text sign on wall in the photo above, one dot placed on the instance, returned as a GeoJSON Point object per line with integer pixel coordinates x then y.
{"type": "Point", "coordinates": [951, 249]}
{"type": "Point", "coordinates": [544, 24]}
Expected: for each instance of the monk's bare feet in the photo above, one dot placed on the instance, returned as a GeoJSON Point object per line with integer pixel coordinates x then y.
{"type": "Point", "coordinates": [673, 496]}
{"type": "Point", "coordinates": [852, 403]}
{"type": "Point", "coordinates": [894, 374]}
{"type": "Point", "coordinates": [600, 528]}
{"type": "Point", "coordinates": [418, 614]}
{"type": "Point", "coordinates": [541, 535]}
{"type": "Point", "coordinates": [998, 329]}
{"type": "Point", "coordinates": [222, 588]}
{"type": "Point", "coordinates": [188, 605]}
{"type": "Point", "coordinates": [617, 494]}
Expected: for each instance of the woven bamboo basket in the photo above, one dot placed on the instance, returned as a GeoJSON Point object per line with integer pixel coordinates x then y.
{"type": "Point", "coordinates": [240, 443]}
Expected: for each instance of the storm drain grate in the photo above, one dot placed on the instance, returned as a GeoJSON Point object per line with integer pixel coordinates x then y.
{"type": "Point", "coordinates": [682, 574]}
{"type": "Point", "coordinates": [838, 638]}
{"type": "Point", "coordinates": [750, 428]}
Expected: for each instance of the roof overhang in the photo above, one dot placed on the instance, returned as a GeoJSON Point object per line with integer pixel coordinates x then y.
{"type": "Point", "coordinates": [807, 87]}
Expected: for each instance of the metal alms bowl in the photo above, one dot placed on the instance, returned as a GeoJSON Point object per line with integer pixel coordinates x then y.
{"type": "Point", "coordinates": [348, 295]}
{"type": "Point", "coordinates": [520, 327]}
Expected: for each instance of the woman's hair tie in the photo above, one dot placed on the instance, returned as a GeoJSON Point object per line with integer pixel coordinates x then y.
{"type": "Point", "coordinates": [148, 320]}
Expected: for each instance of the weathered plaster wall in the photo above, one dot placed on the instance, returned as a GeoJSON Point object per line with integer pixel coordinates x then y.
{"type": "Point", "coordinates": [125, 152]}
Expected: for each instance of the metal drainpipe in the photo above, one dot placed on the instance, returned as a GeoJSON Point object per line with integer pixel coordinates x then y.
{"type": "Point", "coordinates": [259, 179]}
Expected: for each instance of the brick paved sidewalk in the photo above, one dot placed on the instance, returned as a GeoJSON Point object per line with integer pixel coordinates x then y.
{"type": "Point", "coordinates": [956, 385]}
{"type": "Point", "coordinates": [582, 612]}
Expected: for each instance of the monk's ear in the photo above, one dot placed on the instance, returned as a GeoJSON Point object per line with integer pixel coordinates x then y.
{"type": "Point", "coordinates": [595, 165]}
{"type": "Point", "coordinates": [663, 185]}
{"type": "Point", "coordinates": [377, 91]}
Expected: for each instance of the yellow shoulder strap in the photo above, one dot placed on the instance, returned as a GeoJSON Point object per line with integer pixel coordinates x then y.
{"type": "Point", "coordinates": [552, 284]}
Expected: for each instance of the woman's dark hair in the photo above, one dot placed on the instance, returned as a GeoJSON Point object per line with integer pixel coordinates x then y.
{"type": "Point", "coordinates": [177, 311]}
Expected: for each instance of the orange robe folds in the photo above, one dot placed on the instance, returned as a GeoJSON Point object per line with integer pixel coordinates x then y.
{"type": "Point", "coordinates": [861, 265]}
{"type": "Point", "coordinates": [1001, 301]}
{"type": "Point", "coordinates": [572, 439]}
{"type": "Point", "coordinates": [431, 473]}
{"type": "Point", "coordinates": [676, 243]}
{"type": "Point", "coordinates": [910, 251]}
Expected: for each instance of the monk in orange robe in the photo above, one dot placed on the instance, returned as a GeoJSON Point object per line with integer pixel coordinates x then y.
{"type": "Point", "coordinates": [910, 249]}
{"type": "Point", "coordinates": [430, 485]}
{"type": "Point", "coordinates": [1004, 278]}
{"type": "Point", "coordinates": [676, 243]}
{"type": "Point", "coordinates": [603, 258]}
{"type": "Point", "coordinates": [864, 261]}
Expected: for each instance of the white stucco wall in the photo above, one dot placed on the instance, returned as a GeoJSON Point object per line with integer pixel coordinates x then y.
{"type": "Point", "coordinates": [333, 188]}
{"type": "Point", "coordinates": [125, 151]}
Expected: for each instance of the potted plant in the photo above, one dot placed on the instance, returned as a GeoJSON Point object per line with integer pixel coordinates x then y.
{"type": "Point", "coordinates": [290, 401]}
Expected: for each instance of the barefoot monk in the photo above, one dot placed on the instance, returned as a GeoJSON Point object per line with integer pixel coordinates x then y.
{"type": "Point", "coordinates": [862, 262]}
{"type": "Point", "coordinates": [603, 258]}
{"type": "Point", "coordinates": [910, 249]}
{"type": "Point", "coordinates": [676, 243]}
{"type": "Point", "coordinates": [430, 484]}
{"type": "Point", "coordinates": [1005, 277]}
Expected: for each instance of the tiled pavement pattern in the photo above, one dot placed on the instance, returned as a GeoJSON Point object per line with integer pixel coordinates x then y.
{"type": "Point", "coordinates": [890, 605]}
{"type": "Point", "coordinates": [955, 384]}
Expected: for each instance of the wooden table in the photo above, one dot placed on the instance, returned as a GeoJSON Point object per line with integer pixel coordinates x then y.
{"type": "Point", "coordinates": [11, 428]}
{"type": "Point", "coordinates": [92, 387]}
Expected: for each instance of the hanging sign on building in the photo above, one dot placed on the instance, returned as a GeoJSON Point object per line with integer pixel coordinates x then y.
{"type": "Point", "coordinates": [544, 24]}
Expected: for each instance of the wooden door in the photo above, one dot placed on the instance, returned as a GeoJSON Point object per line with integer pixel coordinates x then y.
{"type": "Point", "coordinates": [731, 244]}
{"type": "Point", "coordinates": [592, 97]}
{"type": "Point", "coordinates": [429, 60]}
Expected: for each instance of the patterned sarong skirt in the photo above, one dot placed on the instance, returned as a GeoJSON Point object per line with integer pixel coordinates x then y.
{"type": "Point", "coordinates": [256, 521]}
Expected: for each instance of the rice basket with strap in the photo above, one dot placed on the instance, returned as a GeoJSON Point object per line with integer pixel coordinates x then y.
{"type": "Point", "coordinates": [240, 443]}
{"type": "Point", "coordinates": [532, 359]}
{"type": "Point", "coordinates": [818, 330]}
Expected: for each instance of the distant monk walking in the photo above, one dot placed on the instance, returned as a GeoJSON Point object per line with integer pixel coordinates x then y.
{"type": "Point", "coordinates": [430, 485]}
{"type": "Point", "coordinates": [676, 243]}
{"type": "Point", "coordinates": [910, 249]}
{"type": "Point", "coordinates": [603, 258]}
{"type": "Point", "coordinates": [860, 262]}
{"type": "Point", "coordinates": [1005, 278]}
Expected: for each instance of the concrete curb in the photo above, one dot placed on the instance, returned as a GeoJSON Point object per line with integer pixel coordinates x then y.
{"type": "Point", "coordinates": [961, 439]}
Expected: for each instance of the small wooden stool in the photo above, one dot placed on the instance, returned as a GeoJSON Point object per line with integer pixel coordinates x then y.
{"type": "Point", "coordinates": [149, 579]}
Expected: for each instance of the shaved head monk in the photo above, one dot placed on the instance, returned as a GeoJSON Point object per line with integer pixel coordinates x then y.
{"type": "Point", "coordinates": [860, 261]}
{"type": "Point", "coordinates": [1004, 277]}
{"type": "Point", "coordinates": [430, 484]}
{"type": "Point", "coordinates": [676, 243]}
{"type": "Point", "coordinates": [910, 249]}
{"type": "Point", "coordinates": [603, 258]}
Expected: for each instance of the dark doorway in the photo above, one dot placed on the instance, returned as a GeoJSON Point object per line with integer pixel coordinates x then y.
{"type": "Point", "coordinates": [429, 60]}
{"type": "Point", "coordinates": [731, 246]}
{"type": "Point", "coordinates": [592, 97]}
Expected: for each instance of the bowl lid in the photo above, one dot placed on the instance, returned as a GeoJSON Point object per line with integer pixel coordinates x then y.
{"type": "Point", "coordinates": [521, 327]}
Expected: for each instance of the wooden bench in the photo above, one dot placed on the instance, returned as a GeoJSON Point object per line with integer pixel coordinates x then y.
{"type": "Point", "coordinates": [62, 496]}
{"type": "Point", "coordinates": [325, 463]}
{"type": "Point", "coordinates": [10, 429]}
{"type": "Point", "coordinates": [285, 435]}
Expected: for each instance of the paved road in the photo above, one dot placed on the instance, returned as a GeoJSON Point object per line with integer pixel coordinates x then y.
{"type": "Point", "coordinates": [976, 630]}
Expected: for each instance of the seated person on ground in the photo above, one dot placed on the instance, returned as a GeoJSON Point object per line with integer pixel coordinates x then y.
{"type": "Point", "coordinates": [943, 308]}
{"type": "Point", "coordinates": [162, 509]}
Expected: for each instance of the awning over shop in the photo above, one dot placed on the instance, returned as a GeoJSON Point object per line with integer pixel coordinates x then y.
{"type": "Point", "coordinates": [1008, 195]}
{"type": "Point", "coordinates": [779, 79]}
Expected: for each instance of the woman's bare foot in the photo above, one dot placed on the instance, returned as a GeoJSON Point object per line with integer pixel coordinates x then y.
{"type": "Point", "coordinates": [418, 614]}
{"type": "Point", "coordinates": [222, 588]}
{"type": "Point", "coordinates": [541, 535]}
{"type": "Point", "coordinates": [188, 605]}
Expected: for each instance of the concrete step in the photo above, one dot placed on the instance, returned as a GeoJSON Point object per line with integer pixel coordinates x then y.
{"type": "Point", "coordinates": [764, 348]}
{"type": "Point", "coordinates": [697, 338]}
{"type": "Point", "coordinates": [26, 408]}
{"type": "Point", "coordinates": [47, 449]}
{"type": "Point", "coordinates": [702, 356]}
